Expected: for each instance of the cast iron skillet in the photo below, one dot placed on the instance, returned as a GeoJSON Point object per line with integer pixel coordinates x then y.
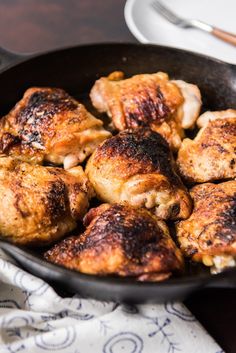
{"type": "Point", "coordinates": [75, 70]}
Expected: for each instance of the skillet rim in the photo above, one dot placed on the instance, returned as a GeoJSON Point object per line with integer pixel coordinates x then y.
{"type": "Point", "coordinates": [16, 59]}
{"type": "Point", "coordinates": [55, 269]}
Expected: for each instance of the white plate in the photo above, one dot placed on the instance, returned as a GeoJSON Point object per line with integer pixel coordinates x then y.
{"type": "Point", "coordinates": [150, 27]}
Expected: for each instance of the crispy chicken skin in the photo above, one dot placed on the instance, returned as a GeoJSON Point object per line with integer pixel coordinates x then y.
{"type": "Point", "coordinates": [120, 240]}
{"type": "Point", "coordinates": [212, 154]}
{"type": "Point", "coordinates": [151, 100]}
{"type": "Point", "coordinates": [137, 167]}
{"type": "Point", "coordinates": [49, 125]}
{"type": "Point", "coordinates": [40, 204]}
{"type": "Point", "coordinates": [203, 119]}
{"type": "Point", "coordinates": [209, 235]}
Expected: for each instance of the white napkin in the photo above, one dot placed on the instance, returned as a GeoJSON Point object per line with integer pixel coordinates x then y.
{"type": "Point", "coordinates": [34, 319]}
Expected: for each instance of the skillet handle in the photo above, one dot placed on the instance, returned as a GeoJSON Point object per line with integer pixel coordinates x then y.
{"type": "Point", "coordinates": [7, 58]}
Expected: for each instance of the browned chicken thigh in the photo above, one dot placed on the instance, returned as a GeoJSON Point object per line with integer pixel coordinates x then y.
{"type": "Point", "coordinates": [209, 234]}
{"type": "Point", "coordinates": [120, 240]}
{"type": "Point", "coordinates": [212, 154]}
{"type": "Point", "coordinates": [40, 204]}
{"type": "Point", "coordinates": [49, 125]}
{"type": "Point", "coordinates": [204, 118]}
{"type": "Point", "coordinates": [137, 167]}
{"type": "Point", "coordinates": [151, 100]}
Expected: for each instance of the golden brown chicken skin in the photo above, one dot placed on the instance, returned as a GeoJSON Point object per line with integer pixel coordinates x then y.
{"type": "Point", "coordinates": [137, 167]}
{"type": "Point", "coordinates": [209, 234]}
{"type": "Point", "coordinates": [49, 125]}
{"type": "Point", "coordinates": [151, 100]}
{"type": "Point", "coordinates": [120, 240]}
{"type": "Point", "coordinates": [204, 118]}
{"type": "Point", "coordinates": [212, 154]}
{"type": "Point", "coordinates": [40, 204]}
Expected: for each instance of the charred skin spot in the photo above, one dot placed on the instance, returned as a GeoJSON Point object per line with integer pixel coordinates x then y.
{"type": "Point", "coordinates": [143, 146]}
{"type": "Point", "coordinates": [175, 209]}
{"type": "Point", "coordinates": [223, 127]}
{"type": "Point", "coordinates": [148, 111]}
{"type": "Point", "coordinates": [227, 221]}
{"type": "Point", "coordinates": [217, 131]}
{"type": "Point", "coordinates": [36, 117]}
{"type": "Point", "coordinates": [20, 204]}
{"type": "Point", "coordinates": [7, 141]}
{"type": "Point", "coordinates": [136, 233]}
{"type": "Point", "coordinates": [19, 195]}
{"type": "Point", "coordinates": [140, 144]}
{"type": "Point", "coordinates": [55, 171]}
{"type": "Point", "coordinates": [211, 229]}
{"type": "Point", "coordinates": [214, 144]}
{"type": "Point", "coordinates": [57, 200]}
{"type": "Point", "coordinates": [227, 127]}
{"type": "Point", "coordinates": [190, 250]}
{"type": "Point", "coordinates": [79, 187]}
{"type": "Point", "coordinates": [232, 163]}
{"type": "Point", "coordinates": [46, 103]}
{"type": "Point", "coordinates": [209, 242]}
{"type": "Point", "coordinates": [64, 250]}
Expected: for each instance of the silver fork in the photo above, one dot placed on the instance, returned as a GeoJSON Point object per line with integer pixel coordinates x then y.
{"type": "Point", "coordinates": [192, 23]}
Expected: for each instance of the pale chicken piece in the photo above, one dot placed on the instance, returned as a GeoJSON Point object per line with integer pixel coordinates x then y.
{"type": "Point", "coordinates": [210, 116]}
{"type": "Point", "coordinates": [120, 240]}
{"type": "Point", "coordinates": [209, 234]}
{"type": "Point", "coordinates": [189, 111]}
{"type": "Point", "coordinates": [137, 167]}
{"type": "Point", "coordinates": [49, 125]}
{"type": "Point", "coordinates": [40, 204]}
{"type": "Point", "coordinates": [152, 100]}
{"type": "Point", "coordinates": [212, 154]}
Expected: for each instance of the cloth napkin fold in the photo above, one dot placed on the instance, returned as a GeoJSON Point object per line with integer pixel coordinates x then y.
{"type": "Point", "coordinates": [34, 319]}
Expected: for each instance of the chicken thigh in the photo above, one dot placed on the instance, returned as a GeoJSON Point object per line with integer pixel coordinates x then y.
{"type": "Point", "coordinates": [137, 167]}
{"type": "Point", "coordinates": [120, 240]}
{"type": "Point", "coordinates": [151, 100]}
{"type": "Point", "coordinates": [49, 125]}
{"type": "Point", "coordinates": [212, 154]}
{"type": "Point", "coordinates": [209, 234]}
{"type": "Point", "coordinates": [40, 204]}
{"type": "Point", "coordinates": [204, 118]}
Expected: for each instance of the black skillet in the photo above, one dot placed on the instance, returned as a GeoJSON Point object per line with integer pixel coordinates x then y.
{"type": "Point", "coordinates": [75, 70]}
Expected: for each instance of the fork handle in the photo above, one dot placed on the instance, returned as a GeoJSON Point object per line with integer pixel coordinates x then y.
{"type": "Point", "coordinates": [215, 31]}
{"type": "Point", "coordinates": [226, 36]}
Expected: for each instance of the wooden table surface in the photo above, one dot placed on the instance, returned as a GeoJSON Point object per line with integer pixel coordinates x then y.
{"type": "Point", "coordinates": [34, 26]}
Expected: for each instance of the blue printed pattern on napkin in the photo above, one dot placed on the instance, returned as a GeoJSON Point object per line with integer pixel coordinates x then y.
{"type": "Point", "coordinates": [33, 318]}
